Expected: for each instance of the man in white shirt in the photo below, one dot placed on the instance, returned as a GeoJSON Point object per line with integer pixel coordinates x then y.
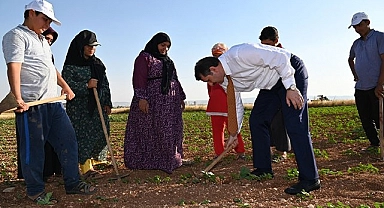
{"type": "Point", "coordinates": [281, 86]}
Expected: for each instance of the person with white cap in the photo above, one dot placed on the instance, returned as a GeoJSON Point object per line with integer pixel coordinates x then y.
{"type": "Point", "coordinates": [366, 61]}
{"type": "Point", "coordinates": [32, 76]}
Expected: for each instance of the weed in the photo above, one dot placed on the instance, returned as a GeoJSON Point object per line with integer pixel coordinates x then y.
{"type": "Point", "coordinates": [326, 171]}
{"type": "Point", "coordinates": [181, 202]}
{"type": "Point", "coordinates": [206, 201]}
{"type": "Point", "coordinates": [350, 152]}
{"type": "Point", "coordinates": [292, 174]}
{"type": "Point", "coordinates": [245, 173]}
{"type": "Point", "coordinates": [320, 153]}
{"type": "Point", "coordinates": [46, 200]}
{"type": "Point", "coordinates": [304, 196]}
{"type": "Point", "coordinates": [368, 168]}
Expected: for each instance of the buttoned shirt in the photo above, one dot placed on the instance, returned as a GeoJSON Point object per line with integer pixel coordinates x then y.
{"type": "Point", "coordinates": [256, 66]}
{"type": "Point", "coordinates": [367, 59]}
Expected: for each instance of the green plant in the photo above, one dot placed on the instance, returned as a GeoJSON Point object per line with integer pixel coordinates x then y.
{"type": "Point", "coordinates": [369, 168]}
{"type": "Point", "coordinates": [320, 153]}
{"type": "Point", "coordinates": [46, 200]}
{"type": "Point", "coordinates": [206, 201]}
{"type": "Point", "coordinates": [303, 195]}
{"type": "Point", "coordinates": [325, 171]}
{"type": "Point", "coordinates": [292, 174]}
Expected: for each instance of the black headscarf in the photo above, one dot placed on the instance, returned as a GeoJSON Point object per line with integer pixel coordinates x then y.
{"type": "Point", "coordinates": [75, 56]}
{"type": "Point", "coordinates": [168, 71]}
{"type": "Point", "coordinates": [51, 31]}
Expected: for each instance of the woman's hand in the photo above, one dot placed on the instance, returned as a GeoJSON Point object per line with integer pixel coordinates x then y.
{"type": "Point", "coordinates": [182, 105]}
{"type": "Point", "coordinates": [144, 106]}
{"type": "Point", "coordinates": [107, 110]}
{"type": "Point", "coordinates": [92, 83]}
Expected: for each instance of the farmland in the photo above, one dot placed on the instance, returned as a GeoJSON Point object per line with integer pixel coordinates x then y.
{"type": "Point", "coordinates": [349, 176]}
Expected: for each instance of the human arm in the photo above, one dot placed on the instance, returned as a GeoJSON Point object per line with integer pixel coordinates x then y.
{"type": "Point", "coordinates": [106, 96]}
{"type": "Point", "coordinates": [379, 91]}
{"type": "Point", "coordinates": [78, 82]}
{"type": "Point", "coordinates": [239, 118]}
{"type": "Point", "coordinates": [13, 72]}
{"type": "Point", "coordinates": [139, 81]}
{"type": "Point", "coordinates": [351, 64]}
{"type": "Point", "coordinates": [65, 89]}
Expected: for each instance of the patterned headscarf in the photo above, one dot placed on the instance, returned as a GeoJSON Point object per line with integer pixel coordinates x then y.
{"type": "Point", "coordinates": [168, 70]}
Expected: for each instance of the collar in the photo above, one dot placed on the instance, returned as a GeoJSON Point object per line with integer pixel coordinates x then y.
{"type": "Point", "coordinates": [26, 29]}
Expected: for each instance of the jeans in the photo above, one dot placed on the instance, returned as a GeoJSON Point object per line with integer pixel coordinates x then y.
{"type": "Point", "coordinates": [42, 123]}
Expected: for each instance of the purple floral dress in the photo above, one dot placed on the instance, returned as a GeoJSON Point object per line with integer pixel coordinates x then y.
{"type": "Point", "coordinates": [154, 140]}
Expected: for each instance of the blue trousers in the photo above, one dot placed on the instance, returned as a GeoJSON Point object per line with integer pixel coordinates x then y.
{"type": "Point", "coordinates": [296, 122]}
{"type": "Point", "coordinates": [42, 123]}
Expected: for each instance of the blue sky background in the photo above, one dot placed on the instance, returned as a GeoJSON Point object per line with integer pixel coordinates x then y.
{"type": "Point", "coordinates": [315, 30]}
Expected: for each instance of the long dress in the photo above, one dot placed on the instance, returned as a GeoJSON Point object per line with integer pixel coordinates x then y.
{"type": "Point", "coordinates": [88, 128]}
{"type": "Point", "coordinates": [154, 140]}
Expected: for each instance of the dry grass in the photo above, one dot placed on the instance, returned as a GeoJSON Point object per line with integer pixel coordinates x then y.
{"type": "Point", "coordinates": [204, 107]}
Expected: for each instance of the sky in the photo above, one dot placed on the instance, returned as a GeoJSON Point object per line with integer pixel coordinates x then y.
{"type": "Point", "coordinates": [316, 31]}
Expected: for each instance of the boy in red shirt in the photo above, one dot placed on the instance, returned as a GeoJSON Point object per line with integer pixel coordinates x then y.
{"type": "Point", "coordinates": [217, 108]}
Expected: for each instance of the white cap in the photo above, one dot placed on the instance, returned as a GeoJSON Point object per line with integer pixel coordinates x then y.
{"type": "Point", "coordinates": [357, 18]}
{"type": "Point", "coordinates": [44, 7]}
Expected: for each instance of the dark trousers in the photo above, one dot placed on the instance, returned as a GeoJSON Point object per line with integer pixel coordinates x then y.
{"type": "Point", "coordinates": [52, 164]}
{"type": "Point", "coordinates": [368, 108]}
{"type": "Point", "coordinates": [266, 106]}
{"type": "Point", "coordinates": [47, 122]}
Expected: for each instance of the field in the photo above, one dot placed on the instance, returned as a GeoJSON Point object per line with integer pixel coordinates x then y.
{"type": "Point", "coordinates": [349, 177]}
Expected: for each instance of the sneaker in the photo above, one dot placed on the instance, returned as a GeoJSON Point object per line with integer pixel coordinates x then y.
{"type": "Point", "coordinates": [371, 149]}
{"type": "Point", "coordinates": [306, 186]}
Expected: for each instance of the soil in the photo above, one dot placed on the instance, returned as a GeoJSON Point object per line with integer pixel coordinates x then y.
{"type": "Point", "coordinates": [343, 183]}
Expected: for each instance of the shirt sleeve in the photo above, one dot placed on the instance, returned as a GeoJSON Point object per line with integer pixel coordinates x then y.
{"type": "Point", "coordinates": [380, 43]}
{"type": "Point", "coordinates": [239, 105]}
{"type": "Point", "coordinates": [239, 110]}
{"type": "Point", "coordinates": [13, 48]}
{"type": "Point", "coordinates": [352, 54]}
{"type": "Point", "coordinates": [140, 77]}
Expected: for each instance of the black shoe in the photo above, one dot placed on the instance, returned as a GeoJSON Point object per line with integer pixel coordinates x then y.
{"type": "Point", "coordinates": [261, 172]}
{"type": "Point", "coordinates": [306, 186]}
{"type": "Point", "coordinates": [371, 149]}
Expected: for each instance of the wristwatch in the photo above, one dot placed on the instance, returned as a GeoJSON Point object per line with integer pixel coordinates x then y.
{"type": "Point", "coordinates": [292, 87]}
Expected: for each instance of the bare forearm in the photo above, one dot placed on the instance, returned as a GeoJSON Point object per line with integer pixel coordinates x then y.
{"type": "Point", "coordinates": [60, 81]}
{"type": "Point", "coordinates": [381, 77]}
{"type": "Point", "coordinates": [351, 64]}
{"type": "Point", "coordinates": [13, 72]}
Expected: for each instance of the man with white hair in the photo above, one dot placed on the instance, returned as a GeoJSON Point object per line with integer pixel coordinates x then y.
{"type": "Point", "coordinates": [366, 60]}
{"type": "Point", "coordinates": [32, 76]}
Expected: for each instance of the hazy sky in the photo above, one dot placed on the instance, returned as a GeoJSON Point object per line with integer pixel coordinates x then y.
{"type": "Point", "coordinates": [316, 31]}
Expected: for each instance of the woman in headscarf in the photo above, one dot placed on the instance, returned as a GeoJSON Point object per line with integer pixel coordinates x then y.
{"type": "Point", "coordinates": [83, 71]}
{"type": "Point", "coordinates": [154, 131]}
